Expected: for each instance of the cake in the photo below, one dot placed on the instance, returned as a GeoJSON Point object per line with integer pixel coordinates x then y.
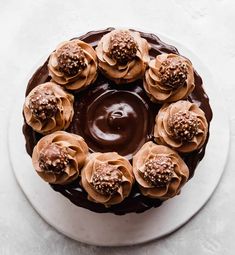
{"type": "Point", "coordinates": [116, 121]}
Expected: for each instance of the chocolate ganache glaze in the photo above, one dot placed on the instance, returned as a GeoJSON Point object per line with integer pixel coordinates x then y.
{"type": "Point", "coordinates": [117, 118]}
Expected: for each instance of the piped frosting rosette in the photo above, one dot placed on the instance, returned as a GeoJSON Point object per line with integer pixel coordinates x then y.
{"type": "Point", "coordinates": [59, 157]}
{"type": "Point", "coordinates": [159, 171]}
{"type": "Point", "coordinates": [123, 55]}
{"type": "Point", "coordinates": [169, 78]}
{"type": "Point", "coordinates": [73, 64]}
{"type": "Point", "coordinates": [181, 125]}
{"type": "Point", "coordinates": [48, 108]}
{"type": "Point", "coordinates": [107, 178]}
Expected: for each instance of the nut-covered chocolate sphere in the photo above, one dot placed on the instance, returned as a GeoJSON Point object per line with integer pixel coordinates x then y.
{"type": "Point", "coordinates": [184, 125]}
{"type": "Point", "coordinates": [123, 47]}
{"type": "Point", "coordinates": [53, 158]}
{"type": "Point", "coordinates": [158, 171]}
{"type": "Point", "coordinates": [107, 179]}
{"type": "Point", "coordinates": [173, 73]}
{"type": "Point", "coordinates": [43, 104]}
{"type": "Point", "coordinates": [71, 59]}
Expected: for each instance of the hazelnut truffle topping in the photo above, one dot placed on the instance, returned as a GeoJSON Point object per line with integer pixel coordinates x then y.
{"type": "Point", "coordinates": [184, 125]}
{"type": "Point", "coordinates": [181, 125]}
{"type": "Point", "coordinates": [158, 171]}
{"type": "Point", "coordinates": [71, 59]}
{"type": "Point", "coordinates": [123, 47]}
{"type": "Point", "coordinates": [123, 55]}
{"type": "Point", "coordinates": [53, 158]}
{"type": "Point", "coordinates": [48, 108]}
{"type": "Point", "coordinates": [59, 157]}
{"type": "Point", "coordinates": [107, 179]}
{"type": "Point", "coordinates": [73, 64]}
{"type": "Point", "coordinates": [43, 104]}
{"type": "Point", "coordinates": [168, 78]}
{"type": "Point", "coordinates": [173, 73]}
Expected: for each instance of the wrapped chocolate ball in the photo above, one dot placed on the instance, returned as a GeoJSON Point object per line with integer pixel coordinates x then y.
{"type": "Point", "coordinates": [159, 171]}
{"type": "Point", "coordinates": [48, 108]}
{"type": "Point", "coordinates": [182, 126]}
{"type": "Point", "coordinates": [168, 78]}
{"type": "Point", "coordinates": [107, 178]}
{"type": "Point", "coordinates": [123, 55]}
{"type": "Point", "coordinates": [59, 157]}
{"type": "Point", "coordinates": [73, 64]}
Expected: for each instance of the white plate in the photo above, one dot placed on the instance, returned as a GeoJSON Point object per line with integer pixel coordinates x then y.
{"type": "Point", "coordinates": [108, 229]}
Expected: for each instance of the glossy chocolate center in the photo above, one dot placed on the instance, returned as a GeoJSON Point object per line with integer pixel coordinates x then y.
{"type": "Point", "coordinates": [111, 118]}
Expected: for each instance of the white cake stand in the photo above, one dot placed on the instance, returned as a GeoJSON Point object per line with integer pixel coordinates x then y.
{"type": "Point", "coordinates": [108, 229]}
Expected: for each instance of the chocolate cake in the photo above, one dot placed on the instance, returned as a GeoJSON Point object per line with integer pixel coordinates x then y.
{"type": "Point", "coordinates": [116, 121]}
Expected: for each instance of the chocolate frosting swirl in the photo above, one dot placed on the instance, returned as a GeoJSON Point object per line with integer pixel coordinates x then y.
{"type": "Point", "coordinates": [122, 72]}
{"type": "Point", "coordinates": [85, 73]}
{"type": "Point", "coordinates": [169, 78]}
{"type": "Point", "coordinates": [48, 108]}
{"type": "Point", "coordinates": [164, 131]}
{"type": "Point", "coordinates": [49, 152]}
{"type": "Point", "coordinates": [100, 160]}
{"type": "Point", "coordinates": [179, 176]}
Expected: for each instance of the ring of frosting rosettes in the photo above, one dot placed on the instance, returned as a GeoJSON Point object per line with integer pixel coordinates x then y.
{"type": "Point", "coordinates": [122, 56]}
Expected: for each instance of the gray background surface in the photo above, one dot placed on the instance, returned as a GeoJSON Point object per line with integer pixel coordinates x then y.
{"type": "Point", "coordinates": [31, 29]}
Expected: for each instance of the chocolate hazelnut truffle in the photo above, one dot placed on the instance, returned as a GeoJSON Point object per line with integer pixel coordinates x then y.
{"type": "Point", "coordinates": [168, 78]}
{"type": "Point", "coordinates": [184, 125]}
{"type": "Point", "coordinates": [73, 64]}
{"type": "Point", "coordinates": [123, 55]}
{"type": "Point", "coordinates": [59, 157]}
{"type": "Point", "coordinates": [54, 158]}
{"type": "Point", "coordinates": [71, 59]}
{"type": "Point", "coordinates": [159, 170]}
{"type": "Point", "coordinates": [123, 47]}
{"type": "Point", "coordinates": [173, 73]}
{"type": "Point", "coordinates": [107, 179]}
{"type": "Point", "coordinates": [48, 108]}
{"type": "Point", "coordinates": [43, 104]}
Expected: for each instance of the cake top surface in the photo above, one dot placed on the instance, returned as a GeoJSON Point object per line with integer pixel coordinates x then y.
{"type": "Point", "coordinates": [120, 88]}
